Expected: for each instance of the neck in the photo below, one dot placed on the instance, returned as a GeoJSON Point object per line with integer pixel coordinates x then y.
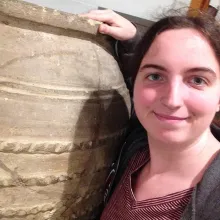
{"type": "Point", "coordinates": [182, 159]}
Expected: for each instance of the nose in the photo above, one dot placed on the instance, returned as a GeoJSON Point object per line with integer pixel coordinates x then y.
{"type": "Point", "coordinates": [173, 95]}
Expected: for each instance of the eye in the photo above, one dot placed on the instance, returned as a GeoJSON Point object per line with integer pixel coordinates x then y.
{"type": "Point", "coordinates": [155, 77]}
{"type": "Point", "coordinates": [198, 81]}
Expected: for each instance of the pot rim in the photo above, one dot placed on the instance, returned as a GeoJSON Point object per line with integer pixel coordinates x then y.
{"type": "Point", "coordinates": [52, 17]}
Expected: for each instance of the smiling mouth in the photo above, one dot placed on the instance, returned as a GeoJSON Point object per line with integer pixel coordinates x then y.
{"type": "Point", "coordinates": [168, 117]}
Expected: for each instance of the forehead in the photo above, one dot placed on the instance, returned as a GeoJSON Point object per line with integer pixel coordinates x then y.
{"type": "Point", "coordinates": [182, 46]}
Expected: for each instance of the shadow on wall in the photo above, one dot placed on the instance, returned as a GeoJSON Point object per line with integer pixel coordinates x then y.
{"type": "Point", "coordinates": [97, 137]}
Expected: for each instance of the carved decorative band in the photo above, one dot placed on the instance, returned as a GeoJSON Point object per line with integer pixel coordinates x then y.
{"type": "Point", "coordinates": [54, 147]}
{"type": "Point", "coordinates": [23, 212]}
{"type": "Point", "coordinates": [19, 212]}
{"type": "Point", "coordinates": [41, 181]}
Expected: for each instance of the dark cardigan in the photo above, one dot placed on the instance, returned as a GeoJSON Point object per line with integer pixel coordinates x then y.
{"type": "Point", "coordinates": [205, 201]}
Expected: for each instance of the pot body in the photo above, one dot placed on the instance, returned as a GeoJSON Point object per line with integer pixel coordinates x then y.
{"type": "Point", "coordinates": [64, 108]}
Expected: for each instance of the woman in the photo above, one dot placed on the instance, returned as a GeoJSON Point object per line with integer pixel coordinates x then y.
{"type": "Point", "coordinates": [170, 168]}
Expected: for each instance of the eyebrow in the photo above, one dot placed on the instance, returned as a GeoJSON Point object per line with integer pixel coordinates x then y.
{"type": "Point", "coordinates": [202, 69]}
{"type": "Point", "coordinates": [194, 69]}
{"type": "Point", "coordinates": [155, 66]}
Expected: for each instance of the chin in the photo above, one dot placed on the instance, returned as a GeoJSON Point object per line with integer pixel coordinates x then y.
{"type": "Point", "coordinates": [170, 136]}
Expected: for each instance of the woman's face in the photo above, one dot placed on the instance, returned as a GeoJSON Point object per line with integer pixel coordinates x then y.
{"type": "Point", "coordinates": [177, 88]}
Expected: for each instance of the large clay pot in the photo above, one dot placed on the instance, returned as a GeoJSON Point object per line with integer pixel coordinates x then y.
{"type": "Point", "coordinates": [64, 108]}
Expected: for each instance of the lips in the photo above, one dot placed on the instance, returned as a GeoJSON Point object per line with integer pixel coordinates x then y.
{"type": "Point", "coordinates": [169, 117]}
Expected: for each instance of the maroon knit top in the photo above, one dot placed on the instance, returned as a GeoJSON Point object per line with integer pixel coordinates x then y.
{"type": "Point", "coordinates": [123, 206]}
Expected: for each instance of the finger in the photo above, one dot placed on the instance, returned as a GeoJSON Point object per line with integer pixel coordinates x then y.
{"type": "Point", "coordinates": [108, 18]}
{"type": "Point", "coordinates": [114, 32]}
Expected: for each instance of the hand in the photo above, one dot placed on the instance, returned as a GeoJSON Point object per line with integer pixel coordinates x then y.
{"type": "Point", "coordinates": [113, 24]}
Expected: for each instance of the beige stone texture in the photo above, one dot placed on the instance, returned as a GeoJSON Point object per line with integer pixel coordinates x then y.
{"type": "Point", "coordinates": [64, 109]}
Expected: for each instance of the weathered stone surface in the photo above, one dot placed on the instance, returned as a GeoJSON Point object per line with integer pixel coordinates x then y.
{"type": "Point", "coordinates": [64, 108]}
{"type": "Point", "coordinates": [47, 16]}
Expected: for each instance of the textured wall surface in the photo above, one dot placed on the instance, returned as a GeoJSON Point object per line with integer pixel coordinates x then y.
{"type": "Point", "coordinates": [64, 107]}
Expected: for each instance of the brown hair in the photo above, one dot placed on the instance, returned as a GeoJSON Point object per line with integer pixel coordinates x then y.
{"type": "Point", "coordinates": [204, 23]}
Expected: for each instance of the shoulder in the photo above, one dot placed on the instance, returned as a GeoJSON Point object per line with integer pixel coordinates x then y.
{"type": "Point", "coordinates": [207, 195]}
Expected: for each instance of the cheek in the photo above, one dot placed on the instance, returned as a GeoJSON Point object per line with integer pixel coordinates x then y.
{"type": "Point", "coordinates": [203, 103]}
{"type": "Point", "coordinates": [144, 98]}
